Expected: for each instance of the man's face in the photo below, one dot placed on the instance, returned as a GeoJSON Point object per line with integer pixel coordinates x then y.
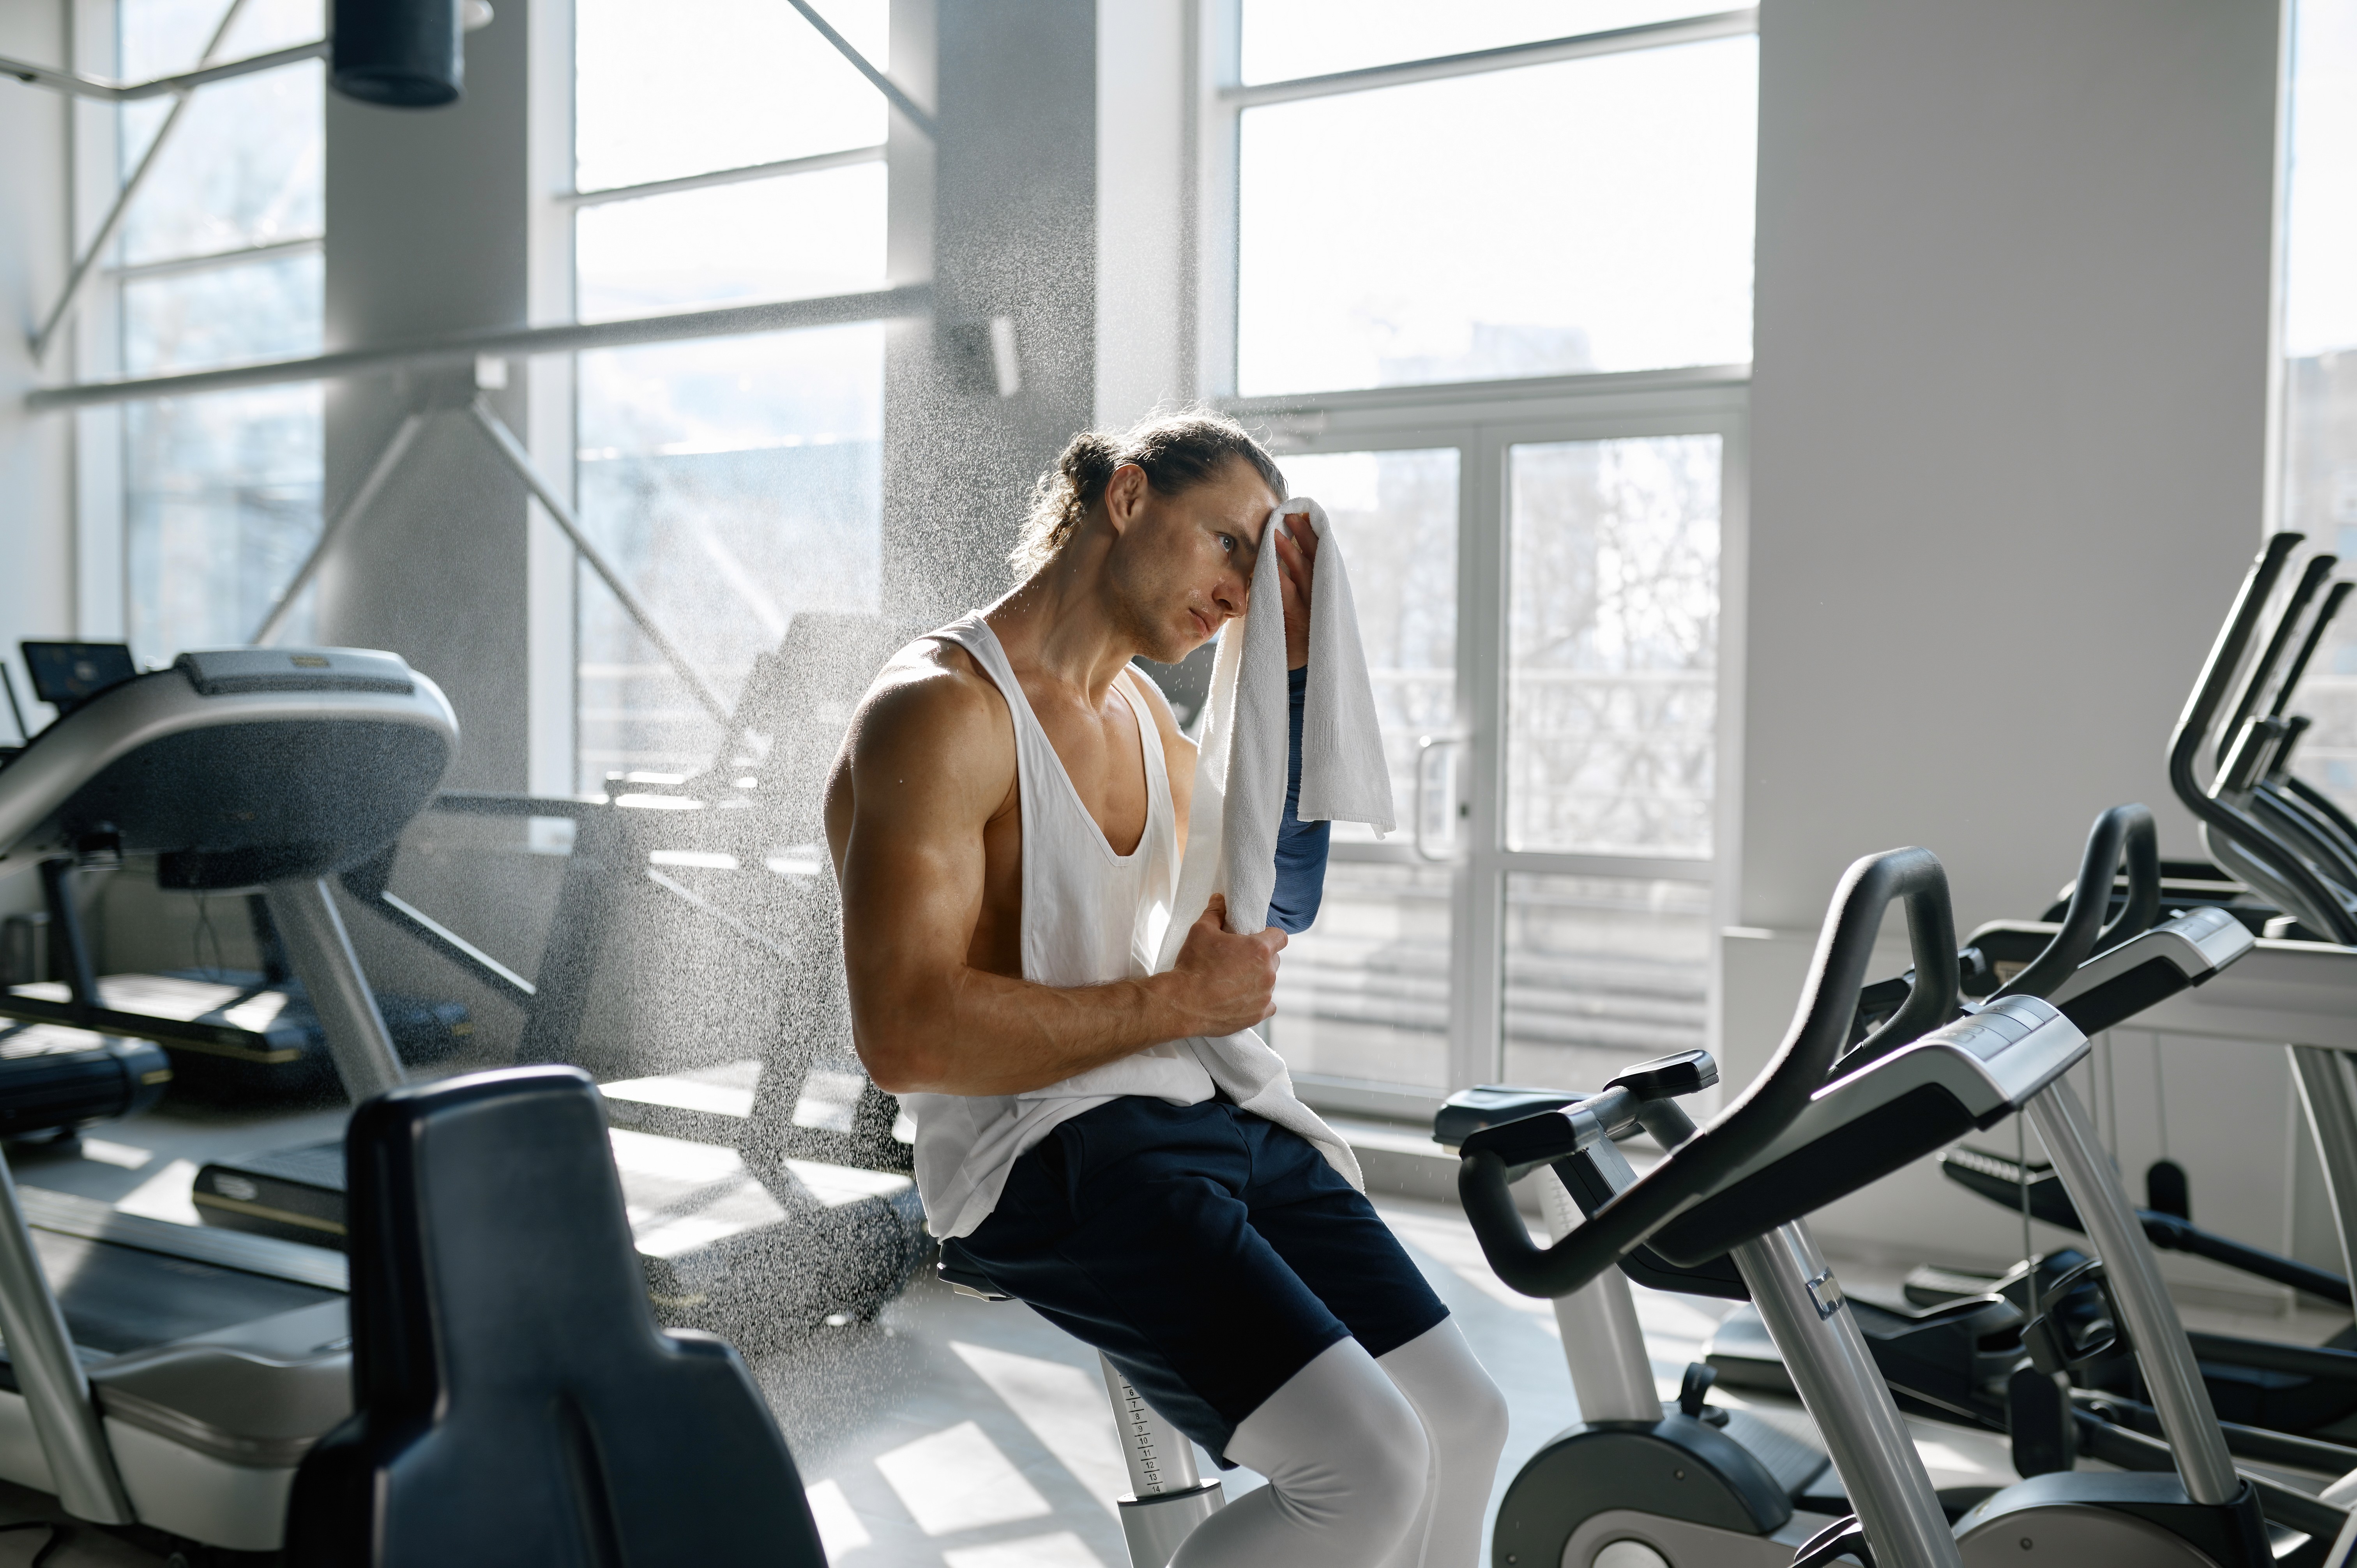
{"type": "Point", "coordinates": [1182, 565]}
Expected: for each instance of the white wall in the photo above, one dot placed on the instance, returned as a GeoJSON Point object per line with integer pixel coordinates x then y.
{"type": "Point", "coordinates": [2009, 456]}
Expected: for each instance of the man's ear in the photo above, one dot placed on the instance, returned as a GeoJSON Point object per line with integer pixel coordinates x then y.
{"type": "Point", "coordinates": [1125, 493]}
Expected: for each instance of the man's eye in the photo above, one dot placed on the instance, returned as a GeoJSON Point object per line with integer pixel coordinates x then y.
{"type": "Point", "coordinates": [1228, 542]}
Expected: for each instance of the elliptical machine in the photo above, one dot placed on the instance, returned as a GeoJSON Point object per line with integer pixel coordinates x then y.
{"type": "Point", "coordinates": [1722, 1213]}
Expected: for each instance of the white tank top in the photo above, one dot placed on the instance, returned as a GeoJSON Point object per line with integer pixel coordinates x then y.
{"type": "Point", "coordinates": [1090, 916]}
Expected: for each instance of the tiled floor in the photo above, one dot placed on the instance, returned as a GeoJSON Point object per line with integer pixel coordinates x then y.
{"type": "Point", "coordinates": [958, 1434]}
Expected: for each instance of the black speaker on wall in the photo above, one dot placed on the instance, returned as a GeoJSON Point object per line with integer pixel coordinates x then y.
{"type": "Point", "coordinates": [405, 54]}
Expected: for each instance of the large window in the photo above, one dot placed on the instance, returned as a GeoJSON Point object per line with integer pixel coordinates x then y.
{"type": "Point", "coordinates": [1553, 218]}
{"type": "Point", "coordinates": [217, 262]}
{"type": "Point", "coordinates": [2319, 330]}
{"type": "Point", "coordinates": [736, 481]}
{"type": "Point", "coordinates": [1507, 203]}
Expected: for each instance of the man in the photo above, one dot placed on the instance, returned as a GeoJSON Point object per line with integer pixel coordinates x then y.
{"type": "Point", "coordinates": [1006, 819]}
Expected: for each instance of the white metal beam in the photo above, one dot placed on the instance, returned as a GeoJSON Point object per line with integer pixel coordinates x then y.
{"type": "Point", "coordinates": [186, 82]}
{"type": "Point", "coordinates": [638, 609]}
{"type": "Point", "coordinates": [917, 115]}
{"type": "Point", "coordinates": [912, 300]}
{"type": "Point", "coordinates": [811, 165]}
{"type": "Point", "coordinates": [1579, 45]}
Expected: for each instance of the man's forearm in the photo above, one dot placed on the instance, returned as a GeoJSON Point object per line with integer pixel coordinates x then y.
{"type": "Point", "coordinates": [978, 1032]}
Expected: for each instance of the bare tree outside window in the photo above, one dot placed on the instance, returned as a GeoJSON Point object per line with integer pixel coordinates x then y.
{"type": "Point", "coordinates": [1613, 639]}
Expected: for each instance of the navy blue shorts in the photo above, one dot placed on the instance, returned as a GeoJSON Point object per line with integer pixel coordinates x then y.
{"type": "Point", "coordinates": [1209, 1254]}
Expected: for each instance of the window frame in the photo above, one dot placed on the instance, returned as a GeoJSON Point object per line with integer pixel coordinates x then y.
{"type": "Point", "coordinates": [101, 567]}
{"type": "Point", "coordinates": [1220, 97]}
{"type": "Point", "coordinates": [908, 156]}
{"type": "Point", "coordinates": [1483, 419]}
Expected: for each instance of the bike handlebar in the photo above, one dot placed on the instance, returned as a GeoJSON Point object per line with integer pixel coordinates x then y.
{"type": "Point", "coordinates": [2124, 830]}
{"type": "Point", "coordinates": [1744, 1129]}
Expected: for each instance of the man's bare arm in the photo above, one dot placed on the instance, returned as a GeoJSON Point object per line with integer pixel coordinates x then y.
{"type": "Point", "coordinates": [927, 766]}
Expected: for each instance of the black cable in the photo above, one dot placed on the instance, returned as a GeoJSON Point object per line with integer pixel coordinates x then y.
{"type": "Point", "coordinates": [58, 1535]}
{"type": "Point", "coordinates": [215, 970]}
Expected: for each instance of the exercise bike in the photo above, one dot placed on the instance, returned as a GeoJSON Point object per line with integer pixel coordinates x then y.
{"type": "Point", "coordinates": [1721, 1214]}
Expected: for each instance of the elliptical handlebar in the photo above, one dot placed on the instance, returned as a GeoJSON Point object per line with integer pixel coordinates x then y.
{"type": "Point", "coordinates": [2218, 670]}
{"type": "Point", "coordinates": [2300, 878]}
{"type": "Point", "coordinates": [2333, 599]}
{"type": "Point", "coordinates": [2311, 578]}
{"type": "Point", "coordinates": [1744, 1129]}
{"type": "Point", "coordinates": [2124, 830]}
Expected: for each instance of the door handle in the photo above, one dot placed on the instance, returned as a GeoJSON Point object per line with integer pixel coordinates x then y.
{"type": "Point", "coordinates": [1426, 744]}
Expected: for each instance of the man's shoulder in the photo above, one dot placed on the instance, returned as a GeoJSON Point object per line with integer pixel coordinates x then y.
{"type": "Point", "coordinates": [931, 695]}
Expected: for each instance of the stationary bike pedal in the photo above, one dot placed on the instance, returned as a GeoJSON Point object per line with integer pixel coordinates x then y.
{"type": "Point", "coordinates": [1843, 1538]}
{"type": "Point", "coordinates": [1695, 1390]}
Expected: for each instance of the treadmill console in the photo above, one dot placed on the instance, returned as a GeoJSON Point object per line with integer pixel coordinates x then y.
{"type": "Point", "coordinates": [67, 674]}
{"type": "Point", "coordinates": [217, 671]}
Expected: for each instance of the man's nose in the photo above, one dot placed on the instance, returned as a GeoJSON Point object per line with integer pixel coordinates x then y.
{"type": "Point", "coordinates": [1231, 593]}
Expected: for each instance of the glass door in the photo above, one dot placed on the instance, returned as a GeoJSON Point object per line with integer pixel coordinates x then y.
{"type": "Point", "coordinates": [1365, 995]}
{"type": "Point", "coordinates": [1607, 752]}
{"type": "Point", "coordinates": [1541, 605]}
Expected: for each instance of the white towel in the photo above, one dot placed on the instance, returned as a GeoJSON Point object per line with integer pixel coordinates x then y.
{"type": "Point", "coordinates": [1239, 783]}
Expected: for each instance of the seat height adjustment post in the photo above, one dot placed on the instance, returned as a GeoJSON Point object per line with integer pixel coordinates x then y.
{"type": "Point", "coordinates": [1167, 1496]}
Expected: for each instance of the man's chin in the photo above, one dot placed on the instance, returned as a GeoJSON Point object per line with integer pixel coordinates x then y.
{"type": "Point", "coordinates": [1174, 646]}
{"type": "Point", "coordinates": [1175, 650]}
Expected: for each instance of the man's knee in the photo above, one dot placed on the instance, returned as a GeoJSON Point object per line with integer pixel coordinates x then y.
{"type": "Point", "coordinates": [1343, 1447]}
{"type": "Point", "coordinates": [1368, 1478]}
{"type": "Point", "coordinates": [1480, 1428]}
{"type": "Point", "coordinates": [1399, 1466]}
{"type": "Point", "coordinates": [1460, 1403]}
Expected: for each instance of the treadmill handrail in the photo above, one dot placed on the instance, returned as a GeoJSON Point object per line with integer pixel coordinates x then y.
{"type": "Point", "coordinates": [45, 775]}
{"type": "Point", "coordinates": [1820, 1028]}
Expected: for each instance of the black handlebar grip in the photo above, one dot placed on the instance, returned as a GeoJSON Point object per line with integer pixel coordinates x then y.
{"type": "Point", "coordinates": [2122, 830]}
{"type": "Point", "coordinates": [1744, 1129]}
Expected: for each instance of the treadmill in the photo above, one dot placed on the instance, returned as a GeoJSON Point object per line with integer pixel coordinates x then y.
{"type": "Point", "coordinates": [769, 1180]}
{"type": "Point", "coordinates": [173, 1376]}
{"type": "Point", "coordinates": [241, 1034]}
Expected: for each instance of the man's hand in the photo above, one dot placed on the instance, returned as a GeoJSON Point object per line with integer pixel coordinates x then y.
{"type": "Point", "coordinates": [1227, 983]}
{"type": "Point", "coordinates": [1296, 559]}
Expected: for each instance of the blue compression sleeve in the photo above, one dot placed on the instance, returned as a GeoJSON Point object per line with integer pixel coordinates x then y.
{"type": "Point", "coordinates": [1301, 846]}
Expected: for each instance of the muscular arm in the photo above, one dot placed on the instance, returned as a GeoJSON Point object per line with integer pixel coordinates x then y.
{"type": "Point", "coordinates": [929, 763]}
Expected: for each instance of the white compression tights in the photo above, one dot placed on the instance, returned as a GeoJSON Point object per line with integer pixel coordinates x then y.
{"type": "Point", "coordinates": [1369, 1464]}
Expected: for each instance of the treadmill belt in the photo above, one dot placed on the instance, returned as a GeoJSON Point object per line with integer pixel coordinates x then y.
{"type": "Point", "coordinates": [121, 1298]}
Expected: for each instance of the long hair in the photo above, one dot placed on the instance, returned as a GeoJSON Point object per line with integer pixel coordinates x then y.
{"type": "Point", "coordinates": [1176, 451]}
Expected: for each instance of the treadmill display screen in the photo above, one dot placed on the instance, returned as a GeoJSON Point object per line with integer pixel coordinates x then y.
{"type": "Point", "coordinates": [67, 674]}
